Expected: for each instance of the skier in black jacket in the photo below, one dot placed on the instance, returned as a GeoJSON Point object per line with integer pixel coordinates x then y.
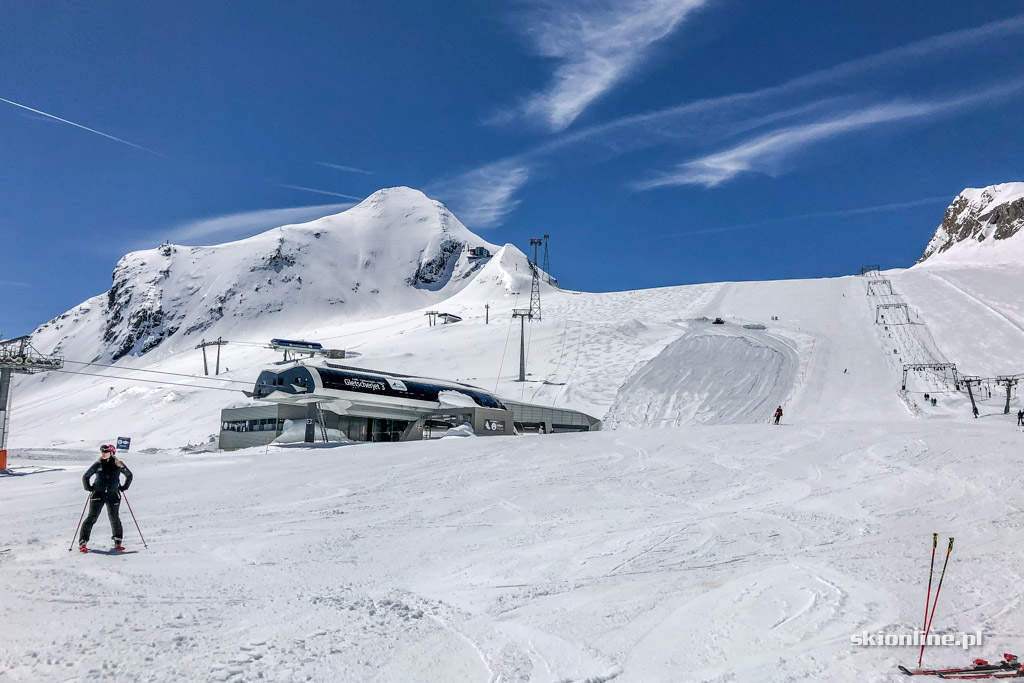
{"type": "Point", "coordinates": [106, 490]}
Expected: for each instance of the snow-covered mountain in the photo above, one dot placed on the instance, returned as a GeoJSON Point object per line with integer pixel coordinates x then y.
{"type": "Point", "coordinates": [396, 251]}
{"type": "Point", "coordinates": [981, 223]}
{"type": "Point", "coordinates": [690, 541]}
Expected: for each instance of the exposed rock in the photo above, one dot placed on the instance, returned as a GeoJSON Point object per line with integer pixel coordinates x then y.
{"type": "Point", "coordinates": [995, 212]}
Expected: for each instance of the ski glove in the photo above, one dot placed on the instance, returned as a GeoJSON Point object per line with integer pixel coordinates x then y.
{"type": "Point", "coordinates": [89, 488]}
{"type": "Point", "coordinates": [122, 488]}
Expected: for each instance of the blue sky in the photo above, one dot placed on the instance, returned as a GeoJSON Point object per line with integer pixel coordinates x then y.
{"type": "Point", "coordinates": [658, 142]}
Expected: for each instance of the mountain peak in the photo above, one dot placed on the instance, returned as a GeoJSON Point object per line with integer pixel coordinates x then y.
{"type": "Point", "coordinates": [976, 221]}
{"type": "Point", "coordinates": [396, 251]}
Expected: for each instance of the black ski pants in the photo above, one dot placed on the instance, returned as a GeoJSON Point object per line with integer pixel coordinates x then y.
{"type": "Point", "coordinates": [113, 503]}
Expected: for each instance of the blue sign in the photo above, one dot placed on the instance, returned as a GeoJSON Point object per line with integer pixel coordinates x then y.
{"type": "Point", "coordinates": [124, 443]}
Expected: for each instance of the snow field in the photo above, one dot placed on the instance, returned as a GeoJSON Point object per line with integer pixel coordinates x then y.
{"type": "Point", "coordinates": [712, 553]}
{"type": "Point", "coordinates": [710, 547]}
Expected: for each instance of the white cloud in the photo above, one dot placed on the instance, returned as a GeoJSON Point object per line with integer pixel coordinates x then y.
{"type": "Point", "coordinates": [945, 199]}
{"type": "Point", "coordinates": [813, 97]}
{"type": "Point", "coordinates": [597, 45]}
{"type": "Point", "coordinates": [726, 110]}
{"type": "Point", "coordinates": [247, 223]}
{"type": "Point", "coordinates": [767, 153]}
{"type": "Point", "coordinates": [482, 197]}
{"type": "Point", "coordinates": [349, 169]}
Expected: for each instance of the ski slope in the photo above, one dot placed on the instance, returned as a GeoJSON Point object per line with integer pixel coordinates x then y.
{"type": "Point", "coordinates": [710, 375]}
{"type": "Point", "coordinates": [709, 553]}
{"type": "Point", "coordinates": [690, 541]}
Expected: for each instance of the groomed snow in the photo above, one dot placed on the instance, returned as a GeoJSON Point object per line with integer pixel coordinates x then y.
{"type": "Point", "coordinates": [715, 553]}
{"type": "Point", "coordinates": [691, 541]}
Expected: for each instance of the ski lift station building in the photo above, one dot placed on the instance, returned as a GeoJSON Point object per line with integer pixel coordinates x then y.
{"type": "Point", "coordinates": [371, 405]}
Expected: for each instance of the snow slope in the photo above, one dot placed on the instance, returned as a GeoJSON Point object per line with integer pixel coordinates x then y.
{"type": "Point", "coordinates": [712, 553]}
{"type": "Point", "coordinates": [981, 225]}
{"type": "Point", "coordinates": [396, 251]}
{"type": "Point", "coordinates": [705, 546]}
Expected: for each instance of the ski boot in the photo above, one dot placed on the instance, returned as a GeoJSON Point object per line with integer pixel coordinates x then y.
{"type": "Point", "coordinates": [117, 546]}
{"type": "Point", "coordinates": [82, 548]}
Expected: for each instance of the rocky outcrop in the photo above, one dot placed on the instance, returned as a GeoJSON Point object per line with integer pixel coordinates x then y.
{"type": "Point", "coordinates": [976, 215]}
{"type": "Point", "coordinates": [396, 251]}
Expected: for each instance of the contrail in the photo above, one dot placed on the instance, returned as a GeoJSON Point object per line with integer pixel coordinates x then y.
{"type": "Point", "coordinates": [350, 169]}
{"type": "Point", "coordinates": [332, 194]}
{"type": "Point", "coordinates": [78, 125]}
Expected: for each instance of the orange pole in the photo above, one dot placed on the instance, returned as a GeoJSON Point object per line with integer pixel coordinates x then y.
{"type": "Point", "coordinates": [3, 460]}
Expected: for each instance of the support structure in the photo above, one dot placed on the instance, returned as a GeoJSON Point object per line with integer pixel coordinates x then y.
{"type": "Point", "coordinates": [884, 285]}
{"type": "Point", "coordinates": [431, 318]}
{"type": "Point", "coordinates": [535, 285]}
{"type": "Point", "coordinates": [1010, 381]}
{"type": "Point", "coordinates": [487, 314]}
{"type": "Point", "coordinates": [522, 314]}
{"type": "Point", "coordinates": [5, 413]}
{"type": "Point", "coordinates": [921, 367]}
{"type": "Point", "coordinates": [881, 307]}
{"type": "Point", "coordinates": [968, 382]}
{"type": "Point", "coordinates": [18, 357]}
{"type": "Point", "coordinates": [867, 270]}
{"type": "Point", "coordinates": [202, 345]}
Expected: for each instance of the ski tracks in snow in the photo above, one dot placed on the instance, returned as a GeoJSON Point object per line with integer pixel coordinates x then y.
{"type": "Point", "coordinates": [710, 375]}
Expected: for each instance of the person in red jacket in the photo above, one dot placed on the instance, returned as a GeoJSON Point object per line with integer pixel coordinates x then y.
{"type": "Point", "coordinates": [106, 491]}
{"type": "Point", "coordinates": [778, 414]}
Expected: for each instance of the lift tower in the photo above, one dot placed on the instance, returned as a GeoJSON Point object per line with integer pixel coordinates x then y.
{"type": "Point", "coordinates": [1010, 381]}
{"type": "Point", "coordinates": [522, 314]}
{"type": "Point", "coordinates": [18, 357]}
{"type": "Point", "coordinates": [535, 286]}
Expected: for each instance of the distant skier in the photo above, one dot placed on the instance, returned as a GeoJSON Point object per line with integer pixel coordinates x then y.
{"type": "Point", "coordinates": [778, 414]}
{"type": "Point", "coordinates": [106, 490]}
{"type": "Point", "coordinates": [975, 412]}
{"type": "Point", "coordinates": [541, 430]}
{"type": "Point", "coordinates": [1020, 418]}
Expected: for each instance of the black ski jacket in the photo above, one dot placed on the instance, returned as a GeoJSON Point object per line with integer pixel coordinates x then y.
{"type": "Point", "coordinates": [108, 478]}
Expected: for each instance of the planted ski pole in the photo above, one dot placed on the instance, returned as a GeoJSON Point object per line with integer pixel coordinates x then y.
{"type": "Point", "coordinates": [927, 600]}
{"type": "Point", "coordinates": [938, 589]}
{"type": "Point", "coordinates": [147, 547]}
{"type": "Point", "coordinates": [71, 547]}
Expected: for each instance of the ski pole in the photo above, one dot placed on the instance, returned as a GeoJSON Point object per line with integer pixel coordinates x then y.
{"type": "Point", "coordinates": [927, 600]}
{"type": "Point", "coordinates": [70, 547]}
{"type": "Point", "coordinates": [143, 537]}
{"type": "Point", "coordinates": [937, 590]}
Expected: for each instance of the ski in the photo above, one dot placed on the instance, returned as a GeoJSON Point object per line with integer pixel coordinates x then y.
{"type": "Point", "coordinates": [984, 675]}
{"type": "Point", "coordinates": [1008, 668]}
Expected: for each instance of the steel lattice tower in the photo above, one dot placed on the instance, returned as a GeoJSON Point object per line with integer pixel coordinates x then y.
{"type": "Point", "coordinates": [535, 287]}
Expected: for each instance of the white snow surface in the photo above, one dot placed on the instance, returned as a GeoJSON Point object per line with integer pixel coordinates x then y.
{"type": "Point", "coordinates": [689, 541]}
